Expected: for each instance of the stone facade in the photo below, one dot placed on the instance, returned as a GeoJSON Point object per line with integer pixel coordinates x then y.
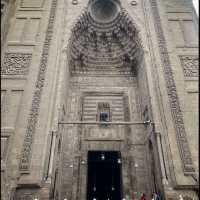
{"type": "Point", "coordinates": [71, 60]}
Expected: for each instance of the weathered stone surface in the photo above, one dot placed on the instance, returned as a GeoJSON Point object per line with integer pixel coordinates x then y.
{"type": "Point", "coordinates": [73, 60]}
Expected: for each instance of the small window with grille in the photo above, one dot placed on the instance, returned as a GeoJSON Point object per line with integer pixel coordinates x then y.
{"type": "Point", "coordinates": [103, 112]}
{"type": "Point", "coordinates": [103, 117]}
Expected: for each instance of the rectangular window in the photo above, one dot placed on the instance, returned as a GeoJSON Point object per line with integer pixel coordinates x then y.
{"type": "Point", "coordinates": [104, 117]}
{"type": "Point", "coordinates": [103, 113]}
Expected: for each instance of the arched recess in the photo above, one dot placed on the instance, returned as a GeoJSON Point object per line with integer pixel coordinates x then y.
{"type": "Point", "coordinates": [104, 39]}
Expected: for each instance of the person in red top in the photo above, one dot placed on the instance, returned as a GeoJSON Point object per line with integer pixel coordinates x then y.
{"type": "Point", "coordinates": [143, 197]}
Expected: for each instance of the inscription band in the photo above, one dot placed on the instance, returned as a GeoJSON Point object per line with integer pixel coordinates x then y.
{"type": "Point", "coordinates": [34, 112]}
{"type": "Point", "coordinates": [177, 116]}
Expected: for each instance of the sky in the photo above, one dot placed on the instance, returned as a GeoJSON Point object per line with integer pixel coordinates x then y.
{"type": "Point", "coordinates": [196, 5]}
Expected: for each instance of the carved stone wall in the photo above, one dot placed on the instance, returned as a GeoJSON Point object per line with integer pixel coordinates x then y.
{"type": "Point", "coordinates": [103, 54]}
{"type": "Point", "coordinates": [33, 116]}
{"type": "Point", "coordinates": [111, 48]}
{"type": "Point", "coordinates": [85, 94]}
{"type": "Point", "coordinates": [21, 55]}
{"type": "Point", "coordinates": [172, 94]}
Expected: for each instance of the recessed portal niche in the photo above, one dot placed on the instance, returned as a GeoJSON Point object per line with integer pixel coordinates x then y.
{"type": "Point", "coordinates": [104, 179]}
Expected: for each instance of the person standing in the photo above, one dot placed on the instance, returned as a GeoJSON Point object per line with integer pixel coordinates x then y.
{"type": "Point", "coordinates": [157, 196]}
{"type": "Point", "coordinates": [143, 197]}
{"type": "Point", "coordinates": [153, 197]}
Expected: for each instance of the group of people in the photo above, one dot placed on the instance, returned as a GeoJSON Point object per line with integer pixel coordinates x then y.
{"type": "Point", "coordinates": [155, 196]}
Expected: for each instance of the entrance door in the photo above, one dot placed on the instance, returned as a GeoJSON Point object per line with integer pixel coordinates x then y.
{"type": "Point", "coordinates": [104, 175]}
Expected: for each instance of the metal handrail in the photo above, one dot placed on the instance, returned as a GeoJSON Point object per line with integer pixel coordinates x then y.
{"type": "Point", "coordinates": [108, 123]}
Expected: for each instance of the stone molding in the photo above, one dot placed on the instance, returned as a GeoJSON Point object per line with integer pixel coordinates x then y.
{"type": "Point", "coordinates": [176, 112]}
{"type": "Point", "coordinates": [190, 65]}
{"type": "Point", "coordinates": [34, 112]}
{"type": "Point", "coordinates": [16, 64]}
{"type": "Point", "coordinates": [33, 5]}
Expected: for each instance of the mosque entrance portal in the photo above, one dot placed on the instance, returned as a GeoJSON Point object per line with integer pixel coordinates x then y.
{"type": "Point", "coordinates": [104, 175]}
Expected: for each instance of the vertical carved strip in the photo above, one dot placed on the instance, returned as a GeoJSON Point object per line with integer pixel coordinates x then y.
{"type": "Point", "coordinates": [33, 116]}
{"type": "Point", "coordinates": [172, 94]}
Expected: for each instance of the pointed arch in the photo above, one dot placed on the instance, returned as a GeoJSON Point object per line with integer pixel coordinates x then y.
{"type": "Point", "coordinates": [98, 45]}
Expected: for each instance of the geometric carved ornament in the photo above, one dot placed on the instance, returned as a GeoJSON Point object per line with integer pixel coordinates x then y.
{"type": "Point", "coordinates": [16, 64]}
{"type": "Point", "coordinates": [176, 112]}
{"type": "Point", "coordinates": [104, 41]}
{"type": "Point", "coordinates": [190, 65]}
{"type": "Point", "coordinates": [39, 85]}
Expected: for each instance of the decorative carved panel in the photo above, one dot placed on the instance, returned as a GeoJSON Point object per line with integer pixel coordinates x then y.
{"type": "Point", "coordinates": [176, 112]}
{"type": "Point", "coordinates": [178, 6]}
{"type": "Point", "coordinates": [190, 33]}
{"type": "Point", "coordinates": [16, 64]}
{"type": "Point", "coordinates": [10, 106]}
{"type": "Point", "coordinates": [24, 30]}
{"type": "Point", "coordinates": [183, 30]}
{"type": "Point", "coordinates": [177, 32]}
{"type": "Point", "coordinates": [34, 112]}
{"type": "Point", "coordinates": [190, 64]}
{"type": "Point", "coordinates": [110, 47]}
{"type": "Point", "coordinates": [112, 103]}
{"type": "Point", "coordinates": [17, 30]}
{"type": "Point", "coordinates": [91, 101]}
{"type": "Point", "coordinates": [31, 4]}
{"type": "Point", "coordinates": [31, 30]}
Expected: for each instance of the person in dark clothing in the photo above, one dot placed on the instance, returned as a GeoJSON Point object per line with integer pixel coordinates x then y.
{"type": "Point", "coordinates": [158, 196]}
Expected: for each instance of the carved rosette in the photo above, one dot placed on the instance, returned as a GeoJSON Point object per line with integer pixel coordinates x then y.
{"type": "Point", "coordinates": [104, 42]}
{"type": "Point", "coordinates": [177, 115]}
{"type": "Point", "coordinates": [34, 112]}
{"type": "Point", "coordinates": [190, 65]}
{"type": "Point", "coordinates": [16, 64]}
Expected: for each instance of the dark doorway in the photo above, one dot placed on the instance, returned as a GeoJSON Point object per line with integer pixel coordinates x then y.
{"type": "Point", "coordinates": [104, 175]}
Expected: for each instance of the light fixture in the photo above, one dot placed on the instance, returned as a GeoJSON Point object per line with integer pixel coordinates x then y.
{"type": "Point", "coordinates": [94, 188]}
{"type": "Point", "coordinates": [71, 166]}
{"type": "Point", "coordinates": [74, 2]}
{"type": "Point", "coordinates": [112, 188]}
{"type": "Point", "coordinates": [82, 162]}
{"type": "Point", "coordinates": [94, 199]}
{"type": "Point", "coordinates": [102, 156]}
{"type": "Point", "coordinates": [65, 199]}
{"type": "Point", "coordinates": [136, 165]}
{"type": "Point", "coordinates": [133, 3]}
{"type": "Point", "coordinates": [36, 198]}
{"type": "Point", "coordinates": [119, 161]}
